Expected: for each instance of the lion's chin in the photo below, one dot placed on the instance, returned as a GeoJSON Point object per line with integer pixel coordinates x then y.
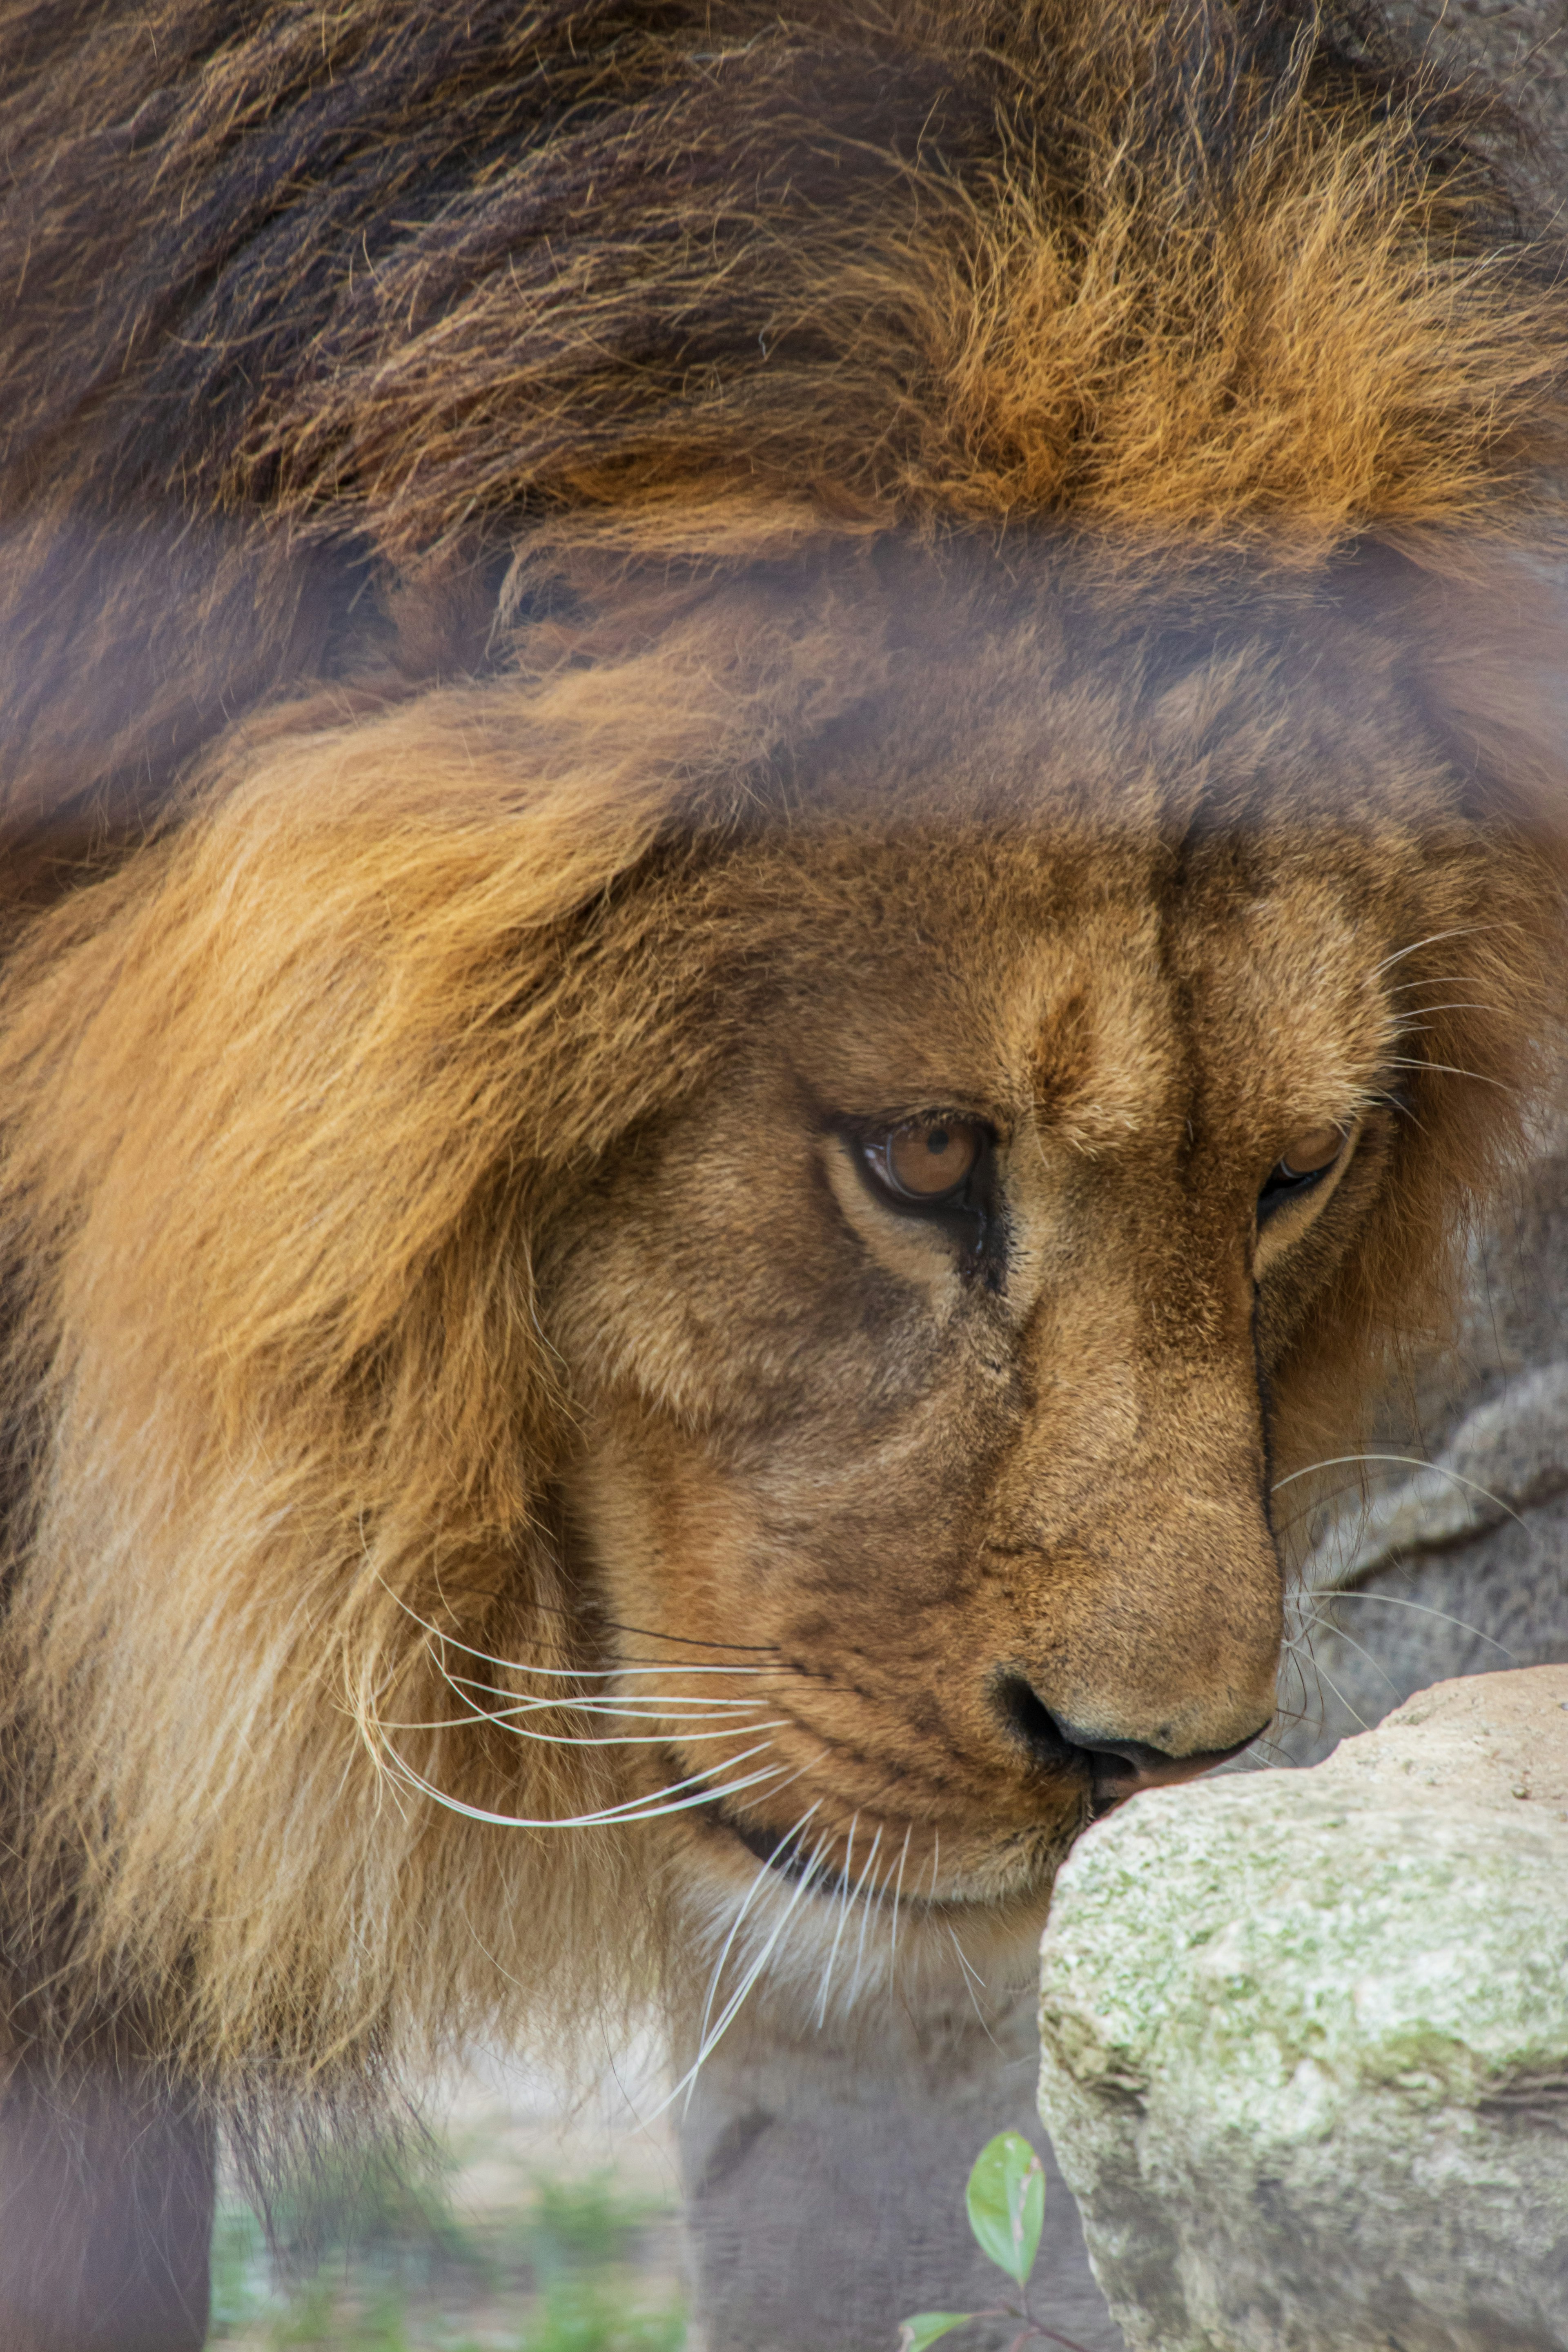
{"type": "Point", "coordinates": [809, 1941]}
{"type": "Point", "coordinates": [1017, 1871]}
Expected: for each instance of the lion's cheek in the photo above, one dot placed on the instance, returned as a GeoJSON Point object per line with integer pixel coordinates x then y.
{"type": "Point", "coordinates": [818, 1653]}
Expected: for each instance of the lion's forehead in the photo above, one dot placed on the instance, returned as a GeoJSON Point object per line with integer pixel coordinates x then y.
{"type": "Point", "coordinates": [1106, 987]}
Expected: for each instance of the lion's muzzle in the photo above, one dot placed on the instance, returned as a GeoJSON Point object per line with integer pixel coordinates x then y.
{"type": "Point", "coordinates": [1116, 1766]}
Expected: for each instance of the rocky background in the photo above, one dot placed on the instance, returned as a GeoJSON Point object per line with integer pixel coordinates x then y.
{"type": "Point", "coordinates": [1415, 1573]}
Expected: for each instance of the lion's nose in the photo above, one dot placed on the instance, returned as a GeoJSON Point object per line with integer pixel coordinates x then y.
{"type": "Point", "coordinates": [1116, 1766]}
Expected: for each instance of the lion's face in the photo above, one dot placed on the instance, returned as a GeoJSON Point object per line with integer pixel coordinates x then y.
{"type": "Point", "coordinates": [586, 1274]}
{"type": "Point", "coordinates": [924, 1357]}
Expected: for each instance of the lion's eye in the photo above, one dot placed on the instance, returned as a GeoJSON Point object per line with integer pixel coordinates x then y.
{"type": "Point", "coordinates": [926, 1160]}
{"type": "Point", "coordinates": [1311, 1153]}
{"type": "Point", "coordinates": [1306, 1158]}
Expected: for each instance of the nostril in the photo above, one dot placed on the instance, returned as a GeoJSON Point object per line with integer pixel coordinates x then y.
{"type": "Point", "coordinates": [1056, 1746]}
{"type": "Point", "coordinates": [1035, 1728]}
{"type": "Point", "coordinates": [1117, 1766]}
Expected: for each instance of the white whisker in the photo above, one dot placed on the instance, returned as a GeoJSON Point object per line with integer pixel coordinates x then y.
{"type": "Point", "coordinates": [1447, 1070]}
{"type": "Point", "coordinates": [1437, 979]}
{"type": "Point", "coordinates": [898, 1890]}
{"type": "Point", "coordinates": [1393, 1601]}
{"type": "Point", "coordinates": [567, 1674]}
{"type": "Point", "coordinates": [1433, 938]}
{"type": "Point", "coordinates": [1323, 1677]}
{"type": "Point", "coordinates": [582, 1738]}
{"type": "Point", "coordinates": [1411, 1462]}
{"type": "Point", "coordinates": [971, 1980]}
{"type": "Point", "coordinates": [869, 1892]}
{"type": "Point", "coordinates": [461, 1685]}
{"type": "Point", "coordinates": [963, 1960]}
{"type": "Point", "coordinates": [842, 1917]}
{"type": "Point", "coordinates": [1462, 1005]}
{"type": "Point", "coordinates": [754, 1972]}
{"type": "Point", "coordinates": [597, 1703]}
{"type": "Point", "coordinates": [1329, 1627]}
{"type": "Point", "coordinates": [630, 1809]}
{"type": "Point", "coordinates": [751, 1892]}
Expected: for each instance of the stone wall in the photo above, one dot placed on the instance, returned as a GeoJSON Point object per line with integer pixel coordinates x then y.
{"type": "Point", "coordinates": [1420, 1573]}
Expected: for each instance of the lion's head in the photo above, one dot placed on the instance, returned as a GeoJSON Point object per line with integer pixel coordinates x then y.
{"type": "Point", "coordinates": [675, 1293]}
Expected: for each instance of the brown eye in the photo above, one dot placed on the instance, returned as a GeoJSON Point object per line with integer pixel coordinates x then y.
{"type": "Point", "coordinates": [1305, 1158]}
{"type": "Point", "coordinates": [1310, 1154]}
{"type": "Point", "coordinates": [928, 1159]}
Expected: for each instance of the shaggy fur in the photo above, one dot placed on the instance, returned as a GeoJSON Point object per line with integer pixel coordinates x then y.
{"type": "Point", "coordinates": [599, 600]}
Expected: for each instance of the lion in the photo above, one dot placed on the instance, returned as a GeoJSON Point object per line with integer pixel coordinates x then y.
{"type": "Point", "coordinates": [783, 795]}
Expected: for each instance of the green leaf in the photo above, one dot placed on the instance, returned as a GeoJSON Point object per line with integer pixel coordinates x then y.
{"type": "Point", "coordinates": [1007, 2203]}
{"type": "Point", "coordinates": [924, 2329]}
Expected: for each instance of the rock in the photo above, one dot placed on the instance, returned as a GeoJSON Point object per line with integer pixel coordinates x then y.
{"type": "Point", "coordinates": [1305, 2042]}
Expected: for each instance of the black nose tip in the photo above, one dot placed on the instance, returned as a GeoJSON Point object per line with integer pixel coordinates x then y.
{"type": "Point", "coordinates": [1115, 1768]}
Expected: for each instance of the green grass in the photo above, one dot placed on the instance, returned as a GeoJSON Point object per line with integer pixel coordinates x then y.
{"type": "Point", "coordinates": [378, 2261]}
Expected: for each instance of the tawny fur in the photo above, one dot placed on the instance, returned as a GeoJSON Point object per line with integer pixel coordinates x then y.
{"type": "Point", "coordinates": [511, 517]}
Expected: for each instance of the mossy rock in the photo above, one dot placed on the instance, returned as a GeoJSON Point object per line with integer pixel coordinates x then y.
{"type": "Point", "coordinates": [1305, 2042]}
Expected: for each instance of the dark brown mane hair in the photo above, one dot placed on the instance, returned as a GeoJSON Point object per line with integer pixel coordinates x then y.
{"type": "Point", "coordinates": [327, 337]}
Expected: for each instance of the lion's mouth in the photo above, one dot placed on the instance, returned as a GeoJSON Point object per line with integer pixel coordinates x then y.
{"type": "Point", "coordinates": [782, 1851]}
{"type": "Point", "coordinates": [792, 1857]}
{"type": "Point", "coordinates": [798, 1858]}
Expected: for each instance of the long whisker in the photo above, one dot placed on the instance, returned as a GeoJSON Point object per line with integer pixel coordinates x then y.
{"type": "Point", "coordinates": [898, 1890]}
{"type": "Point", "coordinates": [1411, 1462]}
{"type": "Point", "coordinates": [1464, 931]}
{"type": "Point", "coordinates": [1447, 1070]}
{"type": "Point", "coordinates": [613, 1624]}
{"type": "Point", "coordinates": [637, 1707]}
{"type": "Point", "coordinates": [578, 1739]}
{"type": "Point", "coordinates": [584, 1673]}
{"type": "Point", "coordinates": [602, 1703]}
{"type": "Point", "coordinates": [1328, 1626]}
{"type": "Point", "coordinates": [868, 1893]}
{"type": "Point", "coordinates": [1393, 1601]}
{"type": "Point", "coordinates": [630, 1809]}
{"type": "Point", "coordinates": [500, 1717]}
{"type": "Point", "coordinates": [733, 2007]}
{"type": "Point", "coordinates": [1460, 1005]}
{"type": "Point", "coordinates": [971, 1980]}
{"type": "Point", "coordinates": [843, 1916]}
{"type": "Point", "coordinates": [751, 1892]}
{"type": "Point", "coordinates": [691, 1705]}
{"type": "Point", "coordinates": [1323, 1676]}
{"type": "Point", "coordinates": [1437, 979]}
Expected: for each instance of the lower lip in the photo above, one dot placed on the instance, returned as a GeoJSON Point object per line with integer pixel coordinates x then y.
{"type": "Point", "coordinates": [793, 1865]}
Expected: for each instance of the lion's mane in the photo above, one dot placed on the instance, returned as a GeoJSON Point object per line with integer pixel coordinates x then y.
{"type": "Point", "coordinates": [449, 458]}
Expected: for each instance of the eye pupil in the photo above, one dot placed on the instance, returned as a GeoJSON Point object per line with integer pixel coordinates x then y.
{"type": "Point", "coordinates": [926, 1160]}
